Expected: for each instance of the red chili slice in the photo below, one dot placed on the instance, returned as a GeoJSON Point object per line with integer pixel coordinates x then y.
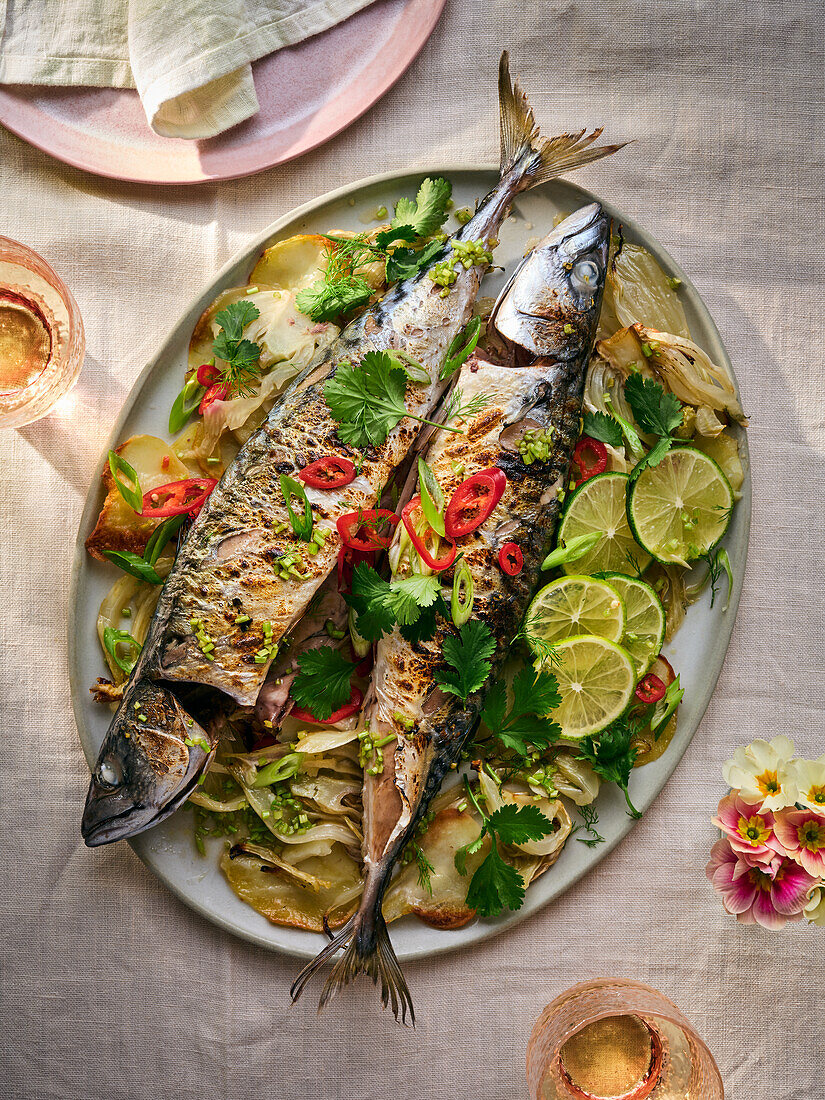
{"type": "Point", "coordinates": [216, 392]}
{"type": "Point", "coordinates": [178, 497]}
{"type": "Point", "coordinates": [420, 541]}
{"type": "Point", "coordinates": [650, 689]}
{"type": "Point", "coordinates": [208, 374]}
{"type": "Point", "coordinates": [329, 472]}
{"type": "Point", "coordinates": [347, 561]}
{"type": "Point", "coordinates": [368, 529]}
{"type": "Point", "coordinates": [346, 711]}
{"type": "Point", "coordinates": [511, 559]}
{"type": "Point", "coordinates": [590, 456]}
{"type": "Point", "coordinates": [473, 501]}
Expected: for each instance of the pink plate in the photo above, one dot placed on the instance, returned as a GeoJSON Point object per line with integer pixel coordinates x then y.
{"type": "Point", "coordinates": [308, 94]}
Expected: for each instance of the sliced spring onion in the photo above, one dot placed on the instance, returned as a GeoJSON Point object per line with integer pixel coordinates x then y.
{"type": "Point", "coordinates": [723, 560]}
{"type": "Point", "coordinates": [432, 498]}
{"type": "Point", "coordinates": [161, 536]}
{"type": "Point", "coordinates": [301, 524]}
{"type": "Point", "coordinates": [132, 494]}
{"type": "Point", "coordinates": [461, 348]}
{"type": "Point", "coordinates": [573, 549]}
{"type": "Point", "coordinates": [333, 631]}
{"type": "Point", "coordinates": [461, 602]}
{"type": "Point", "coordinates": [112, 638]}
{"type": "Point", "coordinates": [635, 444]}
{"type": "Point", "coordinates": [278, 770]}
{"type": "Point", "coordinates": [185, 404]}
{"type": "Point", "coordinates": [360, 644]}
{"type": "Point", "coordinates": [133, 565]}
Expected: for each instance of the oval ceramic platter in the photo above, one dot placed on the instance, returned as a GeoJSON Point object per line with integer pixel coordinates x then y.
{"type": "Point", "coordinates": [697, 652]}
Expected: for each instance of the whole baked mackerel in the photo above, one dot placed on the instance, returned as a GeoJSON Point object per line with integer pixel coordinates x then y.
{"type": "Point", "coordinates": [240, 581]}
{"type": "Point", "coordinates": [539, 340]}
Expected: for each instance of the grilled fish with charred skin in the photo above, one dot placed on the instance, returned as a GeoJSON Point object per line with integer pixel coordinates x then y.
{"type": "Point", "coordinates": [237, 586]}
{"type": "Point", "coordinates": [540, 337]}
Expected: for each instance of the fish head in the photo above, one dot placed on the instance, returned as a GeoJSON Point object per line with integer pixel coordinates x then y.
{"type": "Point", "coordinates": [148, 764]}
{"type": "Point", "coordinates": [550, 307]}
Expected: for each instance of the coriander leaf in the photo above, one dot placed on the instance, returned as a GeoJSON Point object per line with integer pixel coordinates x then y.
{"type": "Point", "coordinates": [324, 301]}
{"type": "Point", "coordinates": [603, 427]}
{"type": "Point", "coordinates": [655, 411]}
{"type": "Point", "coordinates": [381, 604]}
{"type": "Point", "coordinates": [424, 628]}
{"type": "Point", "coordinates": [367, 399]}
{"type": "Point", "coordinates": [534, 696]}
{"type": "Point", "coordinates": [517, 824]}
{"type": "Point", "coordinates": [495, 886]}
{"type": "Point", "coordinates": [403, 263]}
{"type": "Point", "coordinates": [388, 237]}
{"type": "Point", "coordinates": [469, 655]}
{"type": "Point", "coordinates": [653, 457]}
{"type": "Point", "coordinates": [460, 857]}
{"type": "Point", "coordinates": [429, 211]}
{"type": "Point", "coordinates": [322, 684]}
{"type": "Point", "coordinates": [611, 756]}
{"type": "Point", "coordinates": [235, 317]}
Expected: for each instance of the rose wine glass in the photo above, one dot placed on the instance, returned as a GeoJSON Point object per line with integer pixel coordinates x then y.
{"type": "Point", "coordinates": [41, 336]}
{"type": "Point", "coordinates": [618, 1040]}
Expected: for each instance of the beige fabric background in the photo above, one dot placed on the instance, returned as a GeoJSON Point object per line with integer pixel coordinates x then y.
{"type": "Point", "coordinates": [110, 987]}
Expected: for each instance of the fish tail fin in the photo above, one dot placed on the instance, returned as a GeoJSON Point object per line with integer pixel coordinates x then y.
{"type": "Point", "coordinates": [525, 152]}
{"type": "Point", "coordinates": [367, 950]}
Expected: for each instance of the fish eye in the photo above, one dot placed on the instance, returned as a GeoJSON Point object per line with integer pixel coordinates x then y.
{"type": "Point", "coordinates": [109, 773]}
{"type": "Point", "coordinates": [585, 276]}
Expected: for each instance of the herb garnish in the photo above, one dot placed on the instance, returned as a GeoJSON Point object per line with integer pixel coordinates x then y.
{"type": "Point", "coordinates": [367, 400]}
{"type": "Point", "coordinates": [590, 817]}
{"type": "Point", "coordinates": [242, 357]}
{"type": "Point", "coordinates": [468, 655]}
{"type": "Point", "coordinates": [496, 885]}
{"type": "Point", "coordinates": [612, 756]}
{"type": "Point", "coordinates": [657, 412]}
{"type": "Point", "coordinates": [134, 565]}
{"type": "Point", "coordinates": [602, 427]}
{"type": "Point", "coordinates": [381, 604]}
{"type": "Point", "coordinates": [526, 723]}
{"type": "Point", "coordinates": [428, 212]}
{"type": "Point", "coordinates": [112, 638]}
{"type": "Point", "coordinates": [322, 684]}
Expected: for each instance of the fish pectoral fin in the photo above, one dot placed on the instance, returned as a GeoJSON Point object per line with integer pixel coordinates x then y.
{"type": "Point", "coordinates": [367, 950]}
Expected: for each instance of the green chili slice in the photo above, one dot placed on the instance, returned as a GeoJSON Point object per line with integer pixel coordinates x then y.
{"type": "Point", "coordinates": [432, 498]}
{"type": "Point", "coordinates": [185, 404]}
{"type": "Point", "coordinates": [461, 602]}
{"type": "Point", "coordinates": [112, 638]}
{"type": "Point", "coordinates": [133, 565]}
{"type": "Point", "coordinates": [132, 494]}
{"type": "Point", "coordinates": [161, 536]}
{"type": "Point", "coordinates": [461, 348]}
{"type": "Point", "coordinates": [301, 524]}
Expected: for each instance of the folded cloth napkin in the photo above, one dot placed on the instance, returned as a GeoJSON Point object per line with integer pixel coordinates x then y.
{"type": "Point", "coordinates": [190, 60]}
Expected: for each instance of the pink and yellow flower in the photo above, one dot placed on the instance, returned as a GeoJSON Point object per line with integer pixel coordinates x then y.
{"type": "Point", "coordinates": [749, 830]}
{"type": "Point", "coordinates": [802, 834]}
{"type": "Point", "coordinates": [770, 894]}
{"type": "Point", "coordinates": [760, 772]}
{"type": "Point", "coordinates": [809, 778]}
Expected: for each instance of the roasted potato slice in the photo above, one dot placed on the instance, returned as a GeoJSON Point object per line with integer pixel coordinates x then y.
{"type": "Point", "coordinates": [119, 527]}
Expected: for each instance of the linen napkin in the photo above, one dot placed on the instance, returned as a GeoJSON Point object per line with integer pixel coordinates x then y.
{"type": "Point", "coordinates": [190, 60]}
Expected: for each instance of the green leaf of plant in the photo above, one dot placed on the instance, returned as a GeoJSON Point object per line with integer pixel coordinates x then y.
{"type": "Point", "coordinates": [469, 655]}
{"type": "Point", "coordinates": [322, 684]}
{"type": "Point", "coordinates": [518, 824]}
{"type": "Point", "coordinates": [603, 427]}
{"type": "Point", "coordinates": [495, 886]}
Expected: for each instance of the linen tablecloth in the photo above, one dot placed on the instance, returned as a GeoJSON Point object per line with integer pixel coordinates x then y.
{"type": "Point", "coordinates": [110, 987]}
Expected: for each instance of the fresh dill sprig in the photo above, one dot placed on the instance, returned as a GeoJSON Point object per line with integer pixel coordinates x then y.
{"type": "Point", "coordinates": [458, 409]}
{"type": "Point", "coordinates": [590, 817]}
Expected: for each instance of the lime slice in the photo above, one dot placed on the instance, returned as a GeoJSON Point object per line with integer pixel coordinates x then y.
{"type": "Point", "coordinates": [574, 605]}
{"type": "Point", "coordinates": [644, 628]}
{"type": "Point", "coordinates": [599, 505]}
{"type": "Point", "coordinates": [596, 682]}
{"type": "Point", "coordinates": [680, 508]}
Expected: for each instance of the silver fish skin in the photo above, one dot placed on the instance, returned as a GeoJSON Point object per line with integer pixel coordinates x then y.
{"type": "Point", "coordinates": [224, 569]}
{"type": "Point", "coordinates": [541, 334]}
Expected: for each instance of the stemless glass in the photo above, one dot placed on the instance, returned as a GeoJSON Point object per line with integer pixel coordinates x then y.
{"type": "Point", "coordinates": [612, 1039]}
{"type": "Point", "coordinates": [41, 336]}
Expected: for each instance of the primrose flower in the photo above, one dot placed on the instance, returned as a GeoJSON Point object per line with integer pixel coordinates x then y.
{"type": "Point", "coordinates": [809, 778]}
{"type": "Point", "coordinates": [815, 906]}
{"type": "Point", "coordinates": [749, 829]}
{"type": "Point", "coordinates": [802, 834]}
{"type": "Point", "coordinates": [761, 773]}
{"type": "Point", "coordinates": [768, 894]}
